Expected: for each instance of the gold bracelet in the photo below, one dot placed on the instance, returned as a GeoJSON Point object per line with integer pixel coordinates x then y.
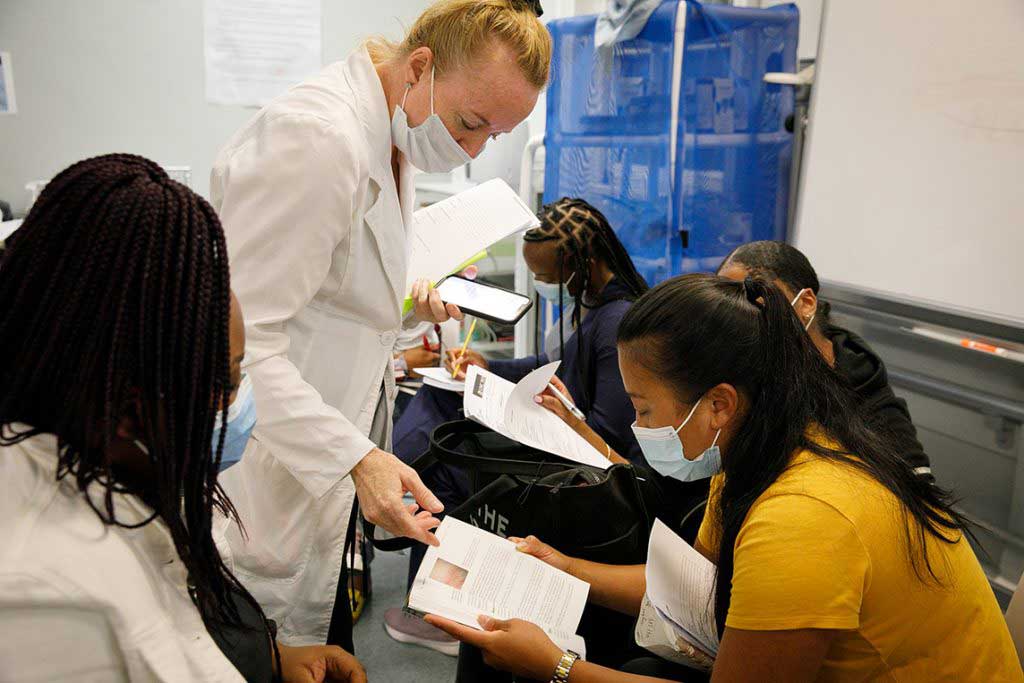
{"type": "Point", "coordinates": [565, 665]}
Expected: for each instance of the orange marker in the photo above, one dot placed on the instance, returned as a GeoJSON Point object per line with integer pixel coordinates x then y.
{"type": "Point", "coordinates": [980, 346]}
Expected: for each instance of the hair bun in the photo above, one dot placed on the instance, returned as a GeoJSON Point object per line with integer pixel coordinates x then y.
{"type": "Point", "coordinates": [754, 291]}
{"type": "Point", "coordinates": [531, 5]}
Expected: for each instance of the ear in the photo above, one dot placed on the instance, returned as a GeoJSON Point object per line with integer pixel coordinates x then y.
{"type": "Point", "coordinates": [806, 306]}
{"type": "Point", "coordinates": [418, 64]}
{"type": "Point", "coordinates": [724, 402]}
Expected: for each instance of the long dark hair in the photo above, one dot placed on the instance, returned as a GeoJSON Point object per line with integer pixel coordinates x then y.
{"type": "Point", "coordinates": [116, 290]}
{"type": "Point", "coordinates": [698, 331]}
{"type": "Point", "coordinates": [771, 260]}
{"type": "Point", "coordinates": [582, 233]}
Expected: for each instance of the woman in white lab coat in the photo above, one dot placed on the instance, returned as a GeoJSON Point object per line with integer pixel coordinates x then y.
{"type": "Point", "coordinates": [315, 194]}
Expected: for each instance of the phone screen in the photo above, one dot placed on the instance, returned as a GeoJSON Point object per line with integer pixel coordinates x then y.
{"type": "Point", "coordinates": [475, 296]}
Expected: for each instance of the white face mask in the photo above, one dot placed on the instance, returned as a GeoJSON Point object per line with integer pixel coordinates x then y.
{"type": "Point", "coordinates": [793, 303]}
{"type": "Point", "coordinates": [429, 146]}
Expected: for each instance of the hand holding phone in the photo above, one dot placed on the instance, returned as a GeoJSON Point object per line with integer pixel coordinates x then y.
{"type": "Point", "coordinates": [484, 301]}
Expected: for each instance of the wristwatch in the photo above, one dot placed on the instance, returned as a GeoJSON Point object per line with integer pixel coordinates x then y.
{"type": "Point", "coordinates": [564, 667]}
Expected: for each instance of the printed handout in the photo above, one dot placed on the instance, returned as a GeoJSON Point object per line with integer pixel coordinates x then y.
{"type": "Point", "coordinates": [509, 409]}
{"type": "Point", "coordinates": [473, 573]}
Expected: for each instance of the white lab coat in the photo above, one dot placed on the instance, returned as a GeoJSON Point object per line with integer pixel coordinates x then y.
{"type": "Point", "coordinates": [84, 601]}
{"type": "Point", "coordinates": [316, 233]}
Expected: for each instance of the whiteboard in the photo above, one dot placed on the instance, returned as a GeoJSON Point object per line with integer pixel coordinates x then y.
{"type": "Point", "coordinates": [913, 179]}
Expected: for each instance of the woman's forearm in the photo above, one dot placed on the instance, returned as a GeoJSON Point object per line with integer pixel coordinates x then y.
{"type": "Point", "coordinates": [595, 440]}
{"type": "Point", "coordinates": [617, 587]}
{"type": "Point", "coordinates": [585, 672]}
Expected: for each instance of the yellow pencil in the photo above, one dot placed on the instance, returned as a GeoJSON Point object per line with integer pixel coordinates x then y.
{"type": "Point", "coordinates": [462, 352]}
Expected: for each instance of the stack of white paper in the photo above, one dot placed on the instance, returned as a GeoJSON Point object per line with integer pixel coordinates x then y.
{"type": "Point", "coordinates": [441, 378]}
{"type": "Point", "coordinates": [509, 409]}
{"type": "Point", "coordinates": [473, 573]}
{"type": "Point", "coordinates": [447, 234]}
{"type": "Point", "coordinates": [679, 607]}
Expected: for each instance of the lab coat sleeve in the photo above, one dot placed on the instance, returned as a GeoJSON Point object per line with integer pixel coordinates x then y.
{"type": "Point", "coordinates": [286, 198]}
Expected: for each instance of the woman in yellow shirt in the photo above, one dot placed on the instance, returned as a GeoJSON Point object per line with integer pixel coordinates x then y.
{"type": "Point", "coordinates": [835, 562]}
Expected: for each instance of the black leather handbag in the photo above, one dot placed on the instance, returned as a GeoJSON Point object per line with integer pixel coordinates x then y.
{"type": "Point", "coordinates": [586, 512]}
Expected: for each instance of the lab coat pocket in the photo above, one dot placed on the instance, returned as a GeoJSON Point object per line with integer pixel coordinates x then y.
{"type": "Point", "coordinates": [269, 545]}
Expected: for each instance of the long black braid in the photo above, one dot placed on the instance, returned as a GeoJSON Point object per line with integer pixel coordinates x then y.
{"type": "Point", "coordinates": [584, 235]}
{"type": "Point", "coordinates": [116, 294]}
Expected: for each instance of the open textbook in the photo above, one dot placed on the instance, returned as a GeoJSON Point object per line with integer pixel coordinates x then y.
{"type": "Point", "coordinates": [474, 572]}
{"type": "Point", "coordinates": [679, 605]}
{"type": "Point", "coordinates": [509, 409]}
{"type": "Point", "coordinates": [448, 234]}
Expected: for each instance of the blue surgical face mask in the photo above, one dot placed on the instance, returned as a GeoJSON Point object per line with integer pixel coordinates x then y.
{"type": "Point", "coordinates": [664, 452]}
{"type": "Point", "coordinates": [549, 290]}
{"type": "Point", "coordinates": [241, 421]}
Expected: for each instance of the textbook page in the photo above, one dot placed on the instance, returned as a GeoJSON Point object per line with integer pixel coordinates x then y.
{"type": "Point", "coordinates": [474, 572]}
{"type": "Point", "coordinates": [509, 409]}
{"type": "Point", "coordinates": [681, 586]}
{"type": "Point", "coordinates": [657, 636]}
{"type": "Point", "coordinates": [485, 401]}
{"type": "Point", "coordinates": [446, 234]}
{"type": "Point", "coordinates": [441, 378]}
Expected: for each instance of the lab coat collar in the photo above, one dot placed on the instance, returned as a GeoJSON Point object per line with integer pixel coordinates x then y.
{"type": "Point", "coordinates": [375, 118]}
{"type": "Point", "coordinates": [129, 509]}
{"type": "Point", "coordinates": [372, 109]}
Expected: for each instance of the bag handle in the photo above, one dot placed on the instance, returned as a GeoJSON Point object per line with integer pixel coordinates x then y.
{"type": "Point", "coordinates": [446, 432]}
{"type": "Point", "coordinates": [497, 487]}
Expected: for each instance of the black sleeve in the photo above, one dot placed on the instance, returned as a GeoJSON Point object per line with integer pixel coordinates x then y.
{"type": "Point", "coordinates": [248, 646]}
{"type": "Point", "coordinates": [889, 414]}
{"type": "Point", "coordinates": [611, 413]}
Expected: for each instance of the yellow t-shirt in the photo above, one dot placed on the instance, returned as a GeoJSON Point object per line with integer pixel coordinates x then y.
{"type": "Point", "coordinates": [824, 547]}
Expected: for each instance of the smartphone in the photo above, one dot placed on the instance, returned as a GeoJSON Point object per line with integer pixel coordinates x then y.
{"type": "Point", "coordinates": [484, 301]}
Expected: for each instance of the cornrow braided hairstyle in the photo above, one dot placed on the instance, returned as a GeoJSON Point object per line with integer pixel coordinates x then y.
{"type": "Point", "coordinates": [116, 294]}
{"type": "Point", "coordinates": [583, 234]}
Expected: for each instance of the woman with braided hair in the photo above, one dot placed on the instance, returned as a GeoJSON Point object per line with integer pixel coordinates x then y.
{"type": "Point", "coordinates": [122, 346]}
{"type": "Point", "coordinates": [578, 263]}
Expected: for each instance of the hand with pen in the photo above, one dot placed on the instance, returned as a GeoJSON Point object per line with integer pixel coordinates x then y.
{"type": "Point", "coordinates": [558, 400]}
{"type": "Point", "coordinates": [470, 357]}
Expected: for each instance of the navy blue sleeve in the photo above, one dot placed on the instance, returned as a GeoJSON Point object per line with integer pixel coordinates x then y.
{"type": "Point", "coordinates": [517, 368]}
{"type": "Point", "coordinates": [610, 413]}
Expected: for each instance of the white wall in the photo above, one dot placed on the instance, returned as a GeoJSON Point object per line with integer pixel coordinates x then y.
{"type": "Point", "coordinates": [810, 24]}
{"type": "Point", "coordinates": [911, 177]}
{"type": "Point", "coordinates": [98, 76]}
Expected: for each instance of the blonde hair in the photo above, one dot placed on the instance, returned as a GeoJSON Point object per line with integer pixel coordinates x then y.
{"type": "Point", "coordinates": [458, 31]}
